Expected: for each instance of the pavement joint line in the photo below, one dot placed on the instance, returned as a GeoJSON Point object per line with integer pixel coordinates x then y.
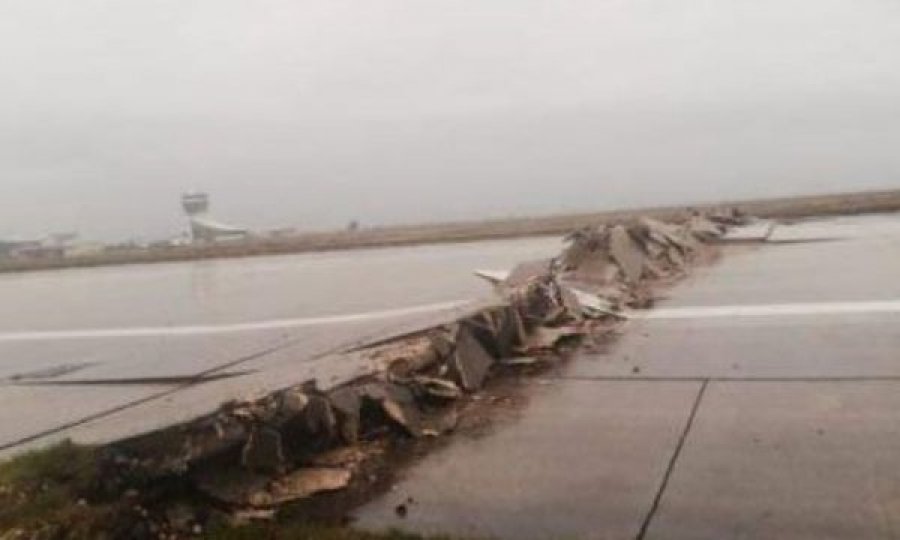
{"type": "Point", "coordinates": [139, 381]}
{"type": "Point", "coordinates": [198, 378]}
{"type": "Point", "coordinates": [84, 420]}
{"type": "Point", "coordinates": [645, 526]}
{"type": "Point", "coordinates": [631, 378]}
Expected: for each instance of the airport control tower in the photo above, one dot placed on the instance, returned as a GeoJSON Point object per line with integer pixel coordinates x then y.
{"type": "Point", "coordinates": [203, 227]}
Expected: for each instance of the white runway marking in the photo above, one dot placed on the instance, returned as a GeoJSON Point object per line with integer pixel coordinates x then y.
{"type": "Point", "coordinates": [195, 330]}
{"type": "Point", "coordinates": [823, 308]}
{"type": "Point", "coordinates": [701, 312]}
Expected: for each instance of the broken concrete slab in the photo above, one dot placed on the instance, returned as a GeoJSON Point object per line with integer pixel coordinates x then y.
{"type": "Point", "coordinates": [404, 412]}
{"type": "Point", "coordinates": [663, 233]}
{"type": "Point", "coordinates": [231, 486]}
{"type": "Point", "coordinates": [301, 484]}
{"type": "Point", "coordinates": [657, 231]}
{"type": "Point", "coordinates": [596, 270]}
{"type": "Point", "coordinates": [654, 270]}
{"type": "Point", "coordinates": [397, 402]}
{"type": "Point", "coordinates": [759, 231]}
{"type": "Point", "coordinates": [594, 305]}
{"type": "Point", "coordinates": [347, 402]}
{"type": "Point", "coordinates": [627, 253]}
{"type": "Point", "coordinates": [470, 361]}
{"type": "Point", "coordinates": [527, 271]}
{"type": "Point", "coordinates": [319, 417]}
{"type": "Point", "coordinates": [571, 303]}
{"type": "Point", "coordinates": [538, 303]}
{"type": "Point", "coordinates": [704, 229]}
{"type": "Point", "coordinates": [406, 356]}
{"type": "Point", "coordinates": [545, 339]}
{"type": "Point", "coordinates": [655, 250]}
{"type": "Point", "coordinates": [503, 326]}
{"type": "Point", "coordinates": [582, 244]}
{"type": "Point", "coordinates": [676, 258]}
{"type": "Point", "coordinates": [494, 277]}
{"type": "Point", "coordinates": [263, 450]}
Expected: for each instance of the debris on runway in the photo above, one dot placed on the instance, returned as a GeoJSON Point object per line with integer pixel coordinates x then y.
{"type": "Point", "coordinates": [256, 456]}
{"type": "Point", "coordinates": [304, 440]}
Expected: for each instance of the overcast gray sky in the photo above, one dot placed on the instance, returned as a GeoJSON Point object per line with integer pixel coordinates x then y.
{"type": "Point", "coordinates": [310, 113]}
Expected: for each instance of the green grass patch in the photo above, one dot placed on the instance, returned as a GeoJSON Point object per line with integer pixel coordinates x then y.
{"type": "Point", "coordinates": [47, 490]}
{"type": "Point", "coordinates": [64, 464]}
{"type": "Point", "coordinates": [56, 493]}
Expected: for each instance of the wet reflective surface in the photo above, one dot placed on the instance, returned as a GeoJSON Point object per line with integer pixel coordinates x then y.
{"type": "Point", "coordinates": [775, 425]}
{"type": "Point", "coordinates": [350, 284]}
{"type": "Point", "coordinates": [240, 290]}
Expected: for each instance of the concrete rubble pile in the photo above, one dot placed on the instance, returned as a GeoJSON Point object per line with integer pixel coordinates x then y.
{"type": "Point", "coordinates": [606, 267]}
{"type": "Point", "coordinates": [255, 456]}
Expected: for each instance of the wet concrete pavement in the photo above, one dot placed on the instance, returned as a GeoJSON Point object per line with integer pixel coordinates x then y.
{"type": "Point", "coordinates": [788, 460]}
{"type": "Point", "coordinates": [254, 289]}
{"type": "Point", "coordinates": [120, 325]}
{"type": "Point", "coordinates": [704, 424]}
{"type": "Point", "coordinates": [509, 484]}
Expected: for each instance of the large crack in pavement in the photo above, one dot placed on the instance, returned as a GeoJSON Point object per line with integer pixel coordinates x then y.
{"type": "Point", "coordinates": [254, 458]}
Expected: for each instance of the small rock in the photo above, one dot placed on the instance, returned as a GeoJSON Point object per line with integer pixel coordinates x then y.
{"type": "Point", "coordinates": [402, 511]}
{"type": "Point", "coordinates": [293, 402]}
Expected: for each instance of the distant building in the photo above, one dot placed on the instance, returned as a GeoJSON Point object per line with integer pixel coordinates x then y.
{"type": "Point", "coordinates": [203, 227]}
{"type": "Point", "coordinates": [54, 246]}
{"type": "Point", "coordinates": [19, 248]}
